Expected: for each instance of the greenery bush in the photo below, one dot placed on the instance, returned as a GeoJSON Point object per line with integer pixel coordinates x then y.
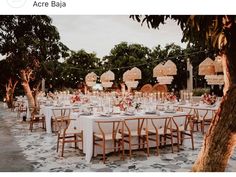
{"type": "Point", "coordinates": [200, 91]}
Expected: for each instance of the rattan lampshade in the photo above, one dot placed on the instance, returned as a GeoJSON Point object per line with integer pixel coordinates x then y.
{"type": "Point", "coordinates": [91, 76]}
{"type": "Point", "coordinates": [126, 76]}
{"type": "Point", "coordinates": [170, 68]}
{"type": "Point", "coordinates": [207, 67]}
{"type": "Point", "coordinates": [107, 84]}
{"type": "Point", "coordinates": [110, 75]}
{"type": "Point", "coordinates": [107, 76]}
{"type": "Point", "coordinates": [136, 73]}
{"type": "Point", "coordinates": [90, 79]}
{"type": "Point", "coordinates": [218, 64]}
{"type": "Point", "coordinates": [131, 84]}
{"type": "Point", "coordinates": [215, 79]}
{"type": "Point", "coordinates": [106, 79]}
{"type": "Point", "coordinates": [159, 70]}
{"type": "Point", "coordinates": [165, 79]}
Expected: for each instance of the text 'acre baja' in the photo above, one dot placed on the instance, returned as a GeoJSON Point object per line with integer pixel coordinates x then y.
{"type": "Point", "coordinates": [59, 4]}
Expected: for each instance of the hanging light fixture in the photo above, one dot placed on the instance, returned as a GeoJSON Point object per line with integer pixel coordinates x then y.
{"type": "Point", "coordinates": [215, 79]}
{"type": "Point", "coordinates": [91, 79]}
{"type": "Point", "coordinates": [165, 79]}
{"type": "Point", "coordinates": [170, 68]}
{"type": "Point", "coordinates": [207, 67]}
{"type": "Point", "coordinates": [106, 79]}
{"type": "Point", "coordinates": [136, 73]}
{"type": "Point", "coordinates": [164, 73]}
{"type": "Point", "coordinates": [130, 77]}
{"type": "Point", "coordinates": [159, 70]}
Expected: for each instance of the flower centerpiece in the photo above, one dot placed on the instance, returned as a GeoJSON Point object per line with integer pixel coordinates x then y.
{"type": "Point", "coordinates": [171, 97]}
{"type": "Point", "coordinates": [75, 99]}
{"type": "Point", "coordinates": [208, 99]}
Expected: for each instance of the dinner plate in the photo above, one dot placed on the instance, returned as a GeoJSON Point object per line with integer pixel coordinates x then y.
{"type": "Point", "coordinates": [128, 114]}
{"type": "Point", "coordinates": [150, 112]}
{"type": "Point", "coordinates": [170, 111]}
{"type": "Point", "coordinates": [85, 114]}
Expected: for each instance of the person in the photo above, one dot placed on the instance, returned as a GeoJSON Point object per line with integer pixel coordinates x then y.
{"type": "Point", "coordinates": [50, 89]}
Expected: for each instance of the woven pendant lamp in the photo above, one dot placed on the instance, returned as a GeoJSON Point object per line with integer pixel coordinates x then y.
{"type": "Point", "coordinates": [207, 67]}
{"type": "Point", "coordinates": [170, 68]}
{"type": "Point", "coordinates": [91, 79]}
{"type": "Point", "coordinates": [136, 73]}
{"type": "Point", "coordinates": [106, 78]}
{"type": "Point", "coordinates": [159, 70]}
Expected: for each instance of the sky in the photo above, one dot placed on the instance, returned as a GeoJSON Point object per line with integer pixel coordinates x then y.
{"type": "Point", "coordinates": [100, 33]}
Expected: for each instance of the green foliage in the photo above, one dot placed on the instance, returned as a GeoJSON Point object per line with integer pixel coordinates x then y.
{"type": "Point", "coordinates": [200, 30]}
{"type": "Point", "coordinates": [200, 91]}
{"type": "Point", "coordinates": [30, 41]}
{"type": "Point", "coordinates": [77, 66]}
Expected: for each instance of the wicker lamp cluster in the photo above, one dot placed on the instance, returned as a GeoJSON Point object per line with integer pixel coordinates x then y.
{"type": "Point", "coordinates": [164, 73]}
{"type": "Point", "coordinates": [130, 77]}
{"type": "Point", "coordinates": [211, 70]}
{"type": "Point", "coordinates": [91, 79]}
{"type": "Point", "coordinates": [106, 79]}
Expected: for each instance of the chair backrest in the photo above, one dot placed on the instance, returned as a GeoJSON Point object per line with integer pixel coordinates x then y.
{"type": "Point", "coordinates": [159, 123]}
{"type": "Point", "coordinates": [61, 116]}
{"type": "Point", "coordinates": [73, 126]}
{"type": "Point", "coordinates": [183, 121]}
{"type": "Point", "coordinates": [159, 88]}
{"type": "Point", "coordinates": [147, 88]}
{"type": "Point", "coordinates": [204, 113]}
{"type": "Point", "coordinates": [136, 124]}
{"type": "Point", "coordinates": [61, 113]}
{"type": "Point", "coordinates": [110, 127]}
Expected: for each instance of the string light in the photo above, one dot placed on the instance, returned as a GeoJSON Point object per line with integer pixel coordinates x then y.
{"type": "Point", "coordinates": [149, 62]}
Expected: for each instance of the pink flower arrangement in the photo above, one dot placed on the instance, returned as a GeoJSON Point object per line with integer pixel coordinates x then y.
{"type": "Point", "coordinates": [209, 99]}
{"type": "Point", "coordinates": [170, 97]}
{"type": "Point", "coordinates": [75, 98]}
{"type": "Point", "coordinates": [125, 102]}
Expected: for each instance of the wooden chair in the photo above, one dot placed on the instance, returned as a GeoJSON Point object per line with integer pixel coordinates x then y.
{"type": "Point", "coordinates": [159, 88]}
{"type": "Point", "coordinates": [159, 131]}
{"type": "Point", "coordinates": [203, 118]}
{"type": "Point", "coordinates": [60, 118]}
{"type": "Point", "coordinates": [21, 108]}
{"type": "Point", "coordinates": [139, 132]}
{"type": "Point", "coordinates": [183, 128]}
{"type": "Point", "coordinates": [147, 88]}
{"type": "Point", "coordinates": [70, 134]}
{"type": "Point", "coordinates": [36, 118]}
{"type": "Point", "coordinates": [109, 131]}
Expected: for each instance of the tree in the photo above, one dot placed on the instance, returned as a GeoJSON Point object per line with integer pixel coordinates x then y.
{"type": "Point", "coordinates": [10, 80]}
{"type": "Point", "coordinates": [123, 57]}
{"type": "Point", "coordinates": [78, 65]}
{"type": "Point", "coordinates": [216, 33]}
{"type": "Point", "coordinates": [30, 41]}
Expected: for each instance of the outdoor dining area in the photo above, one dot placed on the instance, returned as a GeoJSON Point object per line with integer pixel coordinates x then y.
{"type": "Point", "coordinates": [123, 121]}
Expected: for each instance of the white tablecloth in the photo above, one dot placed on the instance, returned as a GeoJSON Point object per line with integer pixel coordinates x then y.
{"type": "Point", "coordinates": [89, 126]}
{"type": "Point", "coordinates": [47, 111]}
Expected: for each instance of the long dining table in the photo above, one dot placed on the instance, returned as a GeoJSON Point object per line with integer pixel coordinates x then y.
{"type": "Point", "coordinates": [88, 126]}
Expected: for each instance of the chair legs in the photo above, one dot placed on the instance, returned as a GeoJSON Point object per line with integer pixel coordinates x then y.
{"type": "Point", "coordinates": [64, 140]}
{"type": "Point", "coordinates": [63, 146]}
{"type": "Point", "coordinates": [58, 139]}
{"type": "Point", "coordinates": [103, 151]}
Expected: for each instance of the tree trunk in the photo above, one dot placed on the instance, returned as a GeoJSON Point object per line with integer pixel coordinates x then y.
{"type": "Point", "coordinates": [35, 94]}
{"type": "Point", "coordinates": [25, 77]}
{"type": "Point", "coordinates": [10, 89]}
{"type": "Point", "coordinates": [220, 140]}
